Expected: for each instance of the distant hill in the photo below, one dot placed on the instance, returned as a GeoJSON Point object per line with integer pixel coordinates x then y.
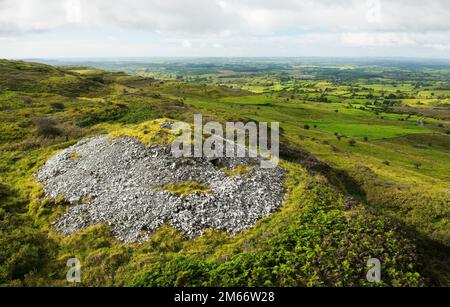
{"type": "Point", "coordinates": [41, 78]}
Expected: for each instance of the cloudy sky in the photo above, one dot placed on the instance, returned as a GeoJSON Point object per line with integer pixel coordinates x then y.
{"type": "Point", "coordinates": [146, 28]}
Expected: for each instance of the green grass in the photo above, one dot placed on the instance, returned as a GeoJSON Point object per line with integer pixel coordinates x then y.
{"type": "Point", "coordinates": [249, 100]}
{"type": "Point", "coordinates": [185, 188]}
{"type": "Point", "coordinates": [373, 131]}
{"type": "Point", "coordinates": [240, 170]}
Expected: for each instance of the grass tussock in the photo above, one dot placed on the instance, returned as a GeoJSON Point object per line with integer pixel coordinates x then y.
{"type": "Point", "coordinates": [240, 170]}
{"type": "Point", "coordinates": [185, 188]}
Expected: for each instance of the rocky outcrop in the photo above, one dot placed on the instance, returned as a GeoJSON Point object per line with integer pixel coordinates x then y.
{"type": "Point", "coordinates": [120, 182]}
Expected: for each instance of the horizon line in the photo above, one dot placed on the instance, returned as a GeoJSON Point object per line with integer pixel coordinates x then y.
{"type": "Point", "coordinates": [228, 57]}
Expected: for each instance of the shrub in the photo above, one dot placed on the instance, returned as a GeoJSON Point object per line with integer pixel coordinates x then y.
{"type": "Point", "coordinates": [71, 131]}
{"type": "Point", "coordinates": [306, 127]}
{"type": "Point", "coordinates": [23, 251]}
{"type": "Point", "coordinates": [47, 128]}
{"type": "Point", "coordinates": [24, 125]}
{"type": "Point", "coordinates": [352, 142]}
{"type": "Point", "coordinates": [57, 105]}
{"type": "Point", "coordinates": [27, 100]}
{"type": "Point", "coordinates": [4, 190]}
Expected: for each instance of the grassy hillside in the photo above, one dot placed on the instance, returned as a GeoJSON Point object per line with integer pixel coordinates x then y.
{"type": "Point", "coordinates": [39, 78]}
{"type": "Point", "coordinates": [346, 203]}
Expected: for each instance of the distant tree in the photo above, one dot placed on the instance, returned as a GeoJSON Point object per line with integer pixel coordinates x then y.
{"type": "Point", "coordinates": [352, 142]}
{"type": "Point", "coordinates": [306, 127]}
{"type": "Point", "coordinates": [417, 165]}
{"type": "Point", "coordinates": [366, 139]}
{"type": "Point", "coordinates": [391, 96]}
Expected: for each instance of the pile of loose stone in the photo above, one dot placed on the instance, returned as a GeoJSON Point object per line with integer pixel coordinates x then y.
{"type": "Point", "coordinates": [118, 182]}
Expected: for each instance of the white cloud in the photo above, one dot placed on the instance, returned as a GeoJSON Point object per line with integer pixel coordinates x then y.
{"type": "Point", "coordinates": [206, 16]}
{"type": "Point", "coordinates": [221, 24]}
{"type": "Point", "coordinates": [73, 11]}
{"type": "Point", "coordinates": [7, 39]}
{"type": "Point", "coordinates": [378, 39]}
{"type": "Point", "coordinates": [435, 40]}
{"type": "Point", "coordinates": [440, 47]}
{"type": "Point", "coordinates": [186, 44]}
